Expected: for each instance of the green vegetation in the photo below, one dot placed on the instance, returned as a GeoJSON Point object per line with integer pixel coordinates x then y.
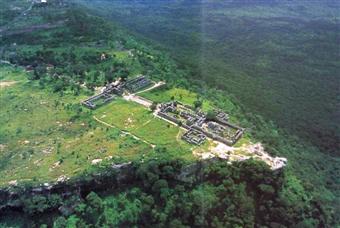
{"type": "Point", "coordinates": [45, 134]}
{"type": "Point", "coordinates": [48, 135]}
{"type": "Point", "coordinates": [165, 94]}
{"type": "Point", "coordinates": [246, 194]}
{"type": "Point", "coordinates": [9, 12]}
{"type": "Point", "coordinates": [140, 122]}
{"type": "Point", "coordinates": [278, 58]}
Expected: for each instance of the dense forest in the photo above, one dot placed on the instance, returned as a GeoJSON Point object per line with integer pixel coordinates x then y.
{"type": "Point", "coordinates": [245, 194]}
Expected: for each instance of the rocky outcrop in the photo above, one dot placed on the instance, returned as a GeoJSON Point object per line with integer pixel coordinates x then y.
{"type": "Point", "coordinates": [118, 176]}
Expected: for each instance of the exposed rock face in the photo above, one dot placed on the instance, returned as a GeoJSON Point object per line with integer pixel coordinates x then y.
{"type": "Point", "coordinates": [248, 151]}
{"type": "Point", "coordinates": [194, 172]}
{"type": "Point", "coordinates": [119, 175]}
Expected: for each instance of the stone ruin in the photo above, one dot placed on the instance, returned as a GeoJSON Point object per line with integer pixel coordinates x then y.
{"type": "Point", "coordinates": [93, 101]}
{"type": "Point", "coordinates": [138, 83]}
{"type": "Point", "coordinates": [195, 121]}
{"type": "Point", "coordinates": [198, 126]}
{"type": "Point", "coordinates": [222, 116]}
{"type": "Point", "coordinates": [194, 137]}
{"type": "Point", "coordinates": [117, 89]}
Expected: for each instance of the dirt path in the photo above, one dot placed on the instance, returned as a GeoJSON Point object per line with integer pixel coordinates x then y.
{"type": "Point", "coordinates": [6, 62]}
{"type": "Point", "coordinates": [125, 132]}
{"type": "Point", "coordinates": [178, 136]}
{"type": "Point", "coordinates": [158, 84]}
{"type": "Point", "coordinates": [4, 84]}
{"type": "Point", "coordinates": [147, 122]}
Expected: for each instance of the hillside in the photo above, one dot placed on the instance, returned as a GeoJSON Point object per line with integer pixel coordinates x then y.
{"type": "Point", "coordinates": [121, 164]}
{"type": "Point", "coordinates": [278, 58]}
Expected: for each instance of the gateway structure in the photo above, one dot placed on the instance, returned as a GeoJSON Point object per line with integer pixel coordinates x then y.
{"type": "Point", "coordinates": [117, 89]}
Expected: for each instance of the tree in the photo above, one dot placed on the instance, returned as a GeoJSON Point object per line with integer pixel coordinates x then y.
{"type": "Point", "coordinates": [94, 207]}
{"type": "Point", "coordinates": [153, 106]}
{"type": "Point", "coordinates": [211, 115]}
{"type": "Point", "coordinates": [39, 204]}
{"type": "Point", "coordinates": [58, 86]}
{"type": "Point", "coordinates": [198, 104]}
{"type": "Point", "coordinates": [94, 201]}
{"type": "Point", "coordinates": [124, 74]}
{"type": "Point", "coordinates": [74, 222]}
{"type": "Point", "coordinates": [60, 222]}
{"type": "Point", "coordinates": [159, 184]}
{"type": "Point", "coordinates": [39, 72]}
{"type": "Point", "coordinates": [161, 150]}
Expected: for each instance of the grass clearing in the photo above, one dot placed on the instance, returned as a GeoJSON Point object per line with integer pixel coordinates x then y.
{"type": "Point", "coordinates": [121, 55]}
{"type": "Point", "coordinates": [162, 94]}
{"type": "Point", "coordinates": [140, 122]}
{"type": "Point", "coordinates": [43, 138]}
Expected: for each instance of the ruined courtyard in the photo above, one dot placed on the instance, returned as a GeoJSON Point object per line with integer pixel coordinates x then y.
{"type": "Point", "coordinates": [197, 123]}
{"type": "Point", "coordinates": [211, 133]}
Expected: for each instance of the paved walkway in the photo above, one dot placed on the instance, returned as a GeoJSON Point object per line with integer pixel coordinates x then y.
{"type": "Point", "coordinates": [140, 100]}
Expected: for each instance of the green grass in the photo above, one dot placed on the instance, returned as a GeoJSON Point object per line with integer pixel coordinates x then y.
{"type": "Point", "coordinates": [121, 55]}
{"type": "Point", "coordinates": [38, 131]}
{"type": "Point", "coordinates": [44, 137]}
{"type": "Point", "coordinates": [162, 94]}
{"type": "Point", "coordinates": [140, 122]}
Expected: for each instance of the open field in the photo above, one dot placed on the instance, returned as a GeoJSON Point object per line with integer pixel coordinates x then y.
{"type": "Point", "coordinates": [48, 137]}
{"type": "Point", "coordinates": [44, 136]}
{"type": "Point", "coordinates": [139, 121]}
